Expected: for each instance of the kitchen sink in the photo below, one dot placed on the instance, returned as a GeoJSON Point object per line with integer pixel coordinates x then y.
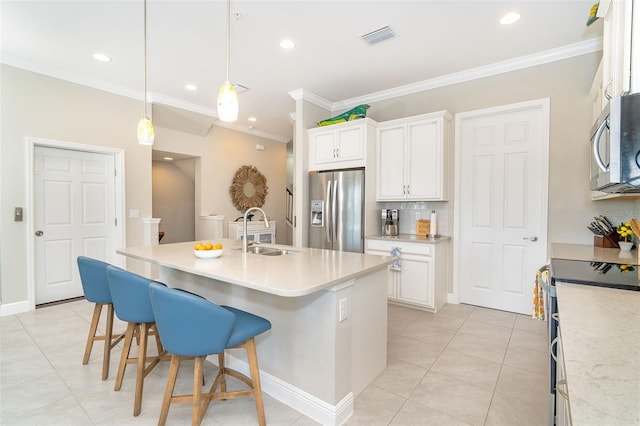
{"type": "Point", "coordinates": [269, 251]}
{"type": "Point", "coordinates": [259, 249]}
{"type": "Point", "coordinates": [276, 252]}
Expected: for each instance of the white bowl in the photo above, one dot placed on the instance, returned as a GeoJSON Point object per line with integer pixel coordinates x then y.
{"type": "Point", "coordinates": [207, 254]}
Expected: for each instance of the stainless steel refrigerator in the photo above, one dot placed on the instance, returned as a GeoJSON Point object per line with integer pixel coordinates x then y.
{"type": "Point", "coordinates": [337, 210]}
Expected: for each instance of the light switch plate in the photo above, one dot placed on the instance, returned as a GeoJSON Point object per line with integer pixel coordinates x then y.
{"type": "Point", "coordinates": [17, 214]}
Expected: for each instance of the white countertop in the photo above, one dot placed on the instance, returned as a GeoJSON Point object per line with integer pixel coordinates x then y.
{"type": "Point", "coordinates": [410, 238]}
{"type": "Point", "coordinates": [296, 274]}
{"type": "Point", "coordinates": [592, 253]}
{"type": "Point", "coordinates": [601, 342]}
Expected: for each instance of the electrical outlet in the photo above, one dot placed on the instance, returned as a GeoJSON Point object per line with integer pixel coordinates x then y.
{"type": "Point", "coordinates": [344, 309]}
{"type": "Point", "coordinates": [417, 215]}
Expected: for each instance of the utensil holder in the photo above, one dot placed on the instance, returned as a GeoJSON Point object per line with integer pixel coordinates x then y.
{"type": "Point", "coordinates": [606, 241]}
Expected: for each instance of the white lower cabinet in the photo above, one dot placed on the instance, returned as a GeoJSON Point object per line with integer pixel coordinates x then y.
{"type": "Point", "coordinates": [419, 276]}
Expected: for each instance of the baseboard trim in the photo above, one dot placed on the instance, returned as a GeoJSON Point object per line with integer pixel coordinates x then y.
{"type": "Point", "coordinates": [15, 308]}
{"type": "Point", "coordinates": [309, 405]}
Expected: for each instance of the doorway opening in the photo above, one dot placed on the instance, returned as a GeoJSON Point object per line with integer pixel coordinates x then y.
{"type": "Point", "coordinates": [174, 196]}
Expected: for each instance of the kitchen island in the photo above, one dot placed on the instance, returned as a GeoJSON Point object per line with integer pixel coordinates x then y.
{"type": "Point", "coordinates": [328, 311]}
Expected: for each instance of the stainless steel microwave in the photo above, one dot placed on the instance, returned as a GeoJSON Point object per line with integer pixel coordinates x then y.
{"type": "Point", "coordinates": [615, 146]}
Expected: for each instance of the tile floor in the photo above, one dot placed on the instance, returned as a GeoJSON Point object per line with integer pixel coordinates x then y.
{"type": "Point", "coordinates": [463, 366]}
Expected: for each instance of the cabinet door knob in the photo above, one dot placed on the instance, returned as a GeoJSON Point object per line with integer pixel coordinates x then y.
{"type": "Point", "coordinates": [39, 233]}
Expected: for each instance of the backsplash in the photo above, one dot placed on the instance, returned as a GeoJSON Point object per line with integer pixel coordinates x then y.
{"type": "Point", "coordinates": [408, 212]}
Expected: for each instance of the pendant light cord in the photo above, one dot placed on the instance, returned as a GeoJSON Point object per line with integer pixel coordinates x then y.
{"type": "Point", "coordinates": [228, 33]}
{"type": "Point", "coordinates": [145, 58]}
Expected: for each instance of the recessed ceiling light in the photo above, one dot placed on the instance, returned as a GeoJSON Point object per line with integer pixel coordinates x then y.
{"type": "Point", "coordinates": [287, 44]}
{"type": "Point", "coordinates": [101, 57]}
{"type": "Point", "coordinates": [510, 18]}
{"type": "Point", "coordinates": [252, 119]}
{"type": "Point", "coordinates": [191, 87]}
{"type": "Point", "coordinates": [168, 158]}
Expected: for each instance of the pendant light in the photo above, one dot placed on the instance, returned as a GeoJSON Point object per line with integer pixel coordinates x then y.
{"type": "Point", "coordinates": [227, 95]}
{"type": "Point", "coordinates": [146, 134]}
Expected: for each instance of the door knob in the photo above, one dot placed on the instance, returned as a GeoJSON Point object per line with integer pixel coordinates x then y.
{"type": "Point", "coordinates": [533, 238]}
{"type": "Point", "coordinates": [39, 233]}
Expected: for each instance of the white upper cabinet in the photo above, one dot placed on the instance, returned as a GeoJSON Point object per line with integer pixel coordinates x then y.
{"type": "Point", "coordinates": [616, 50]}
{"type": "Point", "coordinates": [342, 145]}
{"type": "Point", "coordinates": [412, 157]}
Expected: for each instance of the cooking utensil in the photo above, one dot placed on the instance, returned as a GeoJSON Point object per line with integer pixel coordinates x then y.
{"type": "Point", "coordinates": [594, 230]}
{"type": "Point", "coordinates": [597, 226]}
{"type": "Point", "coordinates": [603, 225]}
{"type": "Point", "coordinates": [611, 225]}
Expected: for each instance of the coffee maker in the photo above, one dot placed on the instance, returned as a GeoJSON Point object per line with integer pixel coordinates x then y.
{"type": "Point", "coordinates": [390, 222]}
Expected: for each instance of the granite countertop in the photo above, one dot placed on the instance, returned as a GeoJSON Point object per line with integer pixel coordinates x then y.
{"type": "Point", "coordinates": [601, 344]}
{"type": "Point", "coordinates": [410, 238]}
{"type": "Point", "coordinates": [301, 273]}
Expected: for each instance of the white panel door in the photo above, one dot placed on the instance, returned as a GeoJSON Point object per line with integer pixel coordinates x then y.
{"type": "Point", "coordinates": [503, 164]}
{"type": "Point", "coordinates": [74, 215]}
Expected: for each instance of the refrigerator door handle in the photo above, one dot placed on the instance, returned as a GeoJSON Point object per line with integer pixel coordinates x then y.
{"type": "Point", "coordinates": [334, 219]}
{"type": "Point", "coordinates": [327, 206]}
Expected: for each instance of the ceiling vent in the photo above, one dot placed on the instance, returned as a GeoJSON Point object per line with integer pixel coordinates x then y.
{"type": "Point", "coordinates": [240, 88]}
{"type": "Point", "coordinates": [379, 35]}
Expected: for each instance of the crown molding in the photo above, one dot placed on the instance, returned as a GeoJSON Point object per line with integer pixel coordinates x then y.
{"type": "Point", "coordinates": [133, 94]}
{"type": "Point", "coordinates": [38, 68]}
{"type": "Point", "coordinates": [302, 94]}
{"type": "Point", "coordinates": [540, 58]}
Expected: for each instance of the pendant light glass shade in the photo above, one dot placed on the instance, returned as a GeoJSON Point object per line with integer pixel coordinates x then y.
{"type": "Point", "coordinates": [227, 102]}
{"type": "Point", "coordinates": [146, 134]}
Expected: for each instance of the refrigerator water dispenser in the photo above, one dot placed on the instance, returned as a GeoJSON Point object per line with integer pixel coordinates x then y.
{"type": "Point", "coordinates": [317, 216]}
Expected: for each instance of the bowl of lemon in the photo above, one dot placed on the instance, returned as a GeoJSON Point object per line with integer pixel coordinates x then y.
{"type": "Point", "coordinates": [206, 250]}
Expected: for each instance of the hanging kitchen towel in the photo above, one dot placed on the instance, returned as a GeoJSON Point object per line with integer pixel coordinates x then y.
{"type": "Point", "coordinates": [395, 266]}
{"type": "Point", "coordinates": [538, 294]}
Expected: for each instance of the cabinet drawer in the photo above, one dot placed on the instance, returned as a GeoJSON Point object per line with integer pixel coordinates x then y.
{"type": "Point", "coordinates": [405, 248]}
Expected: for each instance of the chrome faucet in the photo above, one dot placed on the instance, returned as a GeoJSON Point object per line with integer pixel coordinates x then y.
{"type": "Point", "coordinates": [244, 225]}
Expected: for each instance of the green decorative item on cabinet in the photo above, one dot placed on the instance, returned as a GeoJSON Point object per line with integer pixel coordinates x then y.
{"type": "Point", "coordinates": [593, 17]}
{"type": "Point", "coordinates": [353, 114]}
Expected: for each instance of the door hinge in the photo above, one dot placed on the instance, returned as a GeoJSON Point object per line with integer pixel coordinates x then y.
{"type": "Point", "coordinates": [116, 221]}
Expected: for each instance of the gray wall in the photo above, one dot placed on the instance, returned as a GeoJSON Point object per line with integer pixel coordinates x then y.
{"type": "Point", "coordinates": [174, 199]}
{"type": "Point", "coordinates": [34, 105]}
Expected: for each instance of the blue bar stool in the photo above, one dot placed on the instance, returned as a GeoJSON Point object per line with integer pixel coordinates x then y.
{"type": "Point", "coordinates": [93, 275]}
{"type": "Point", "coordinates": [191, 326]}
{"type": "Point", "coordinates": [130, 295]}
